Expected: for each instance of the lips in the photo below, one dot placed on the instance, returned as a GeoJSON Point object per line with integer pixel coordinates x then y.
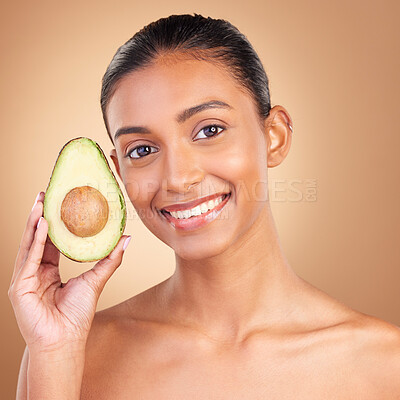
{"type": "Point", "coordinates": [195, 222]}
{"type": "Point", "coordinates": [192, 204]}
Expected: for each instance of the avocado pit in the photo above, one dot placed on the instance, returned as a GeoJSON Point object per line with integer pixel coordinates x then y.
{"type": "Point", "coordinates": [84, 211]}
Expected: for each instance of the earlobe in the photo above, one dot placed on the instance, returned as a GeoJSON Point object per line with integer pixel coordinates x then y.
{"type": "Point", "coordinates": [114, 158]}
{"type": "Point", "coordinates": [279, 135]}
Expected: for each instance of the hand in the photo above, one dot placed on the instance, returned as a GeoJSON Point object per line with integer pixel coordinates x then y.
{"type": "Point", "coordinates": [51, 314]}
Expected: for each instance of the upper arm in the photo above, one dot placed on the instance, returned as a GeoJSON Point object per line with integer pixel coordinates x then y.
{"type": "Point", "coordinates": [22, 377]}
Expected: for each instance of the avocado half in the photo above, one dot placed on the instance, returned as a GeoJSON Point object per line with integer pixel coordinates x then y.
{"type": "Point", "coordinates": [84, 205]}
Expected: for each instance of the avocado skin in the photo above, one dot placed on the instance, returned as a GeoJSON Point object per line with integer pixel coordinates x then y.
{"type": "Point", "coordinates": [121, 198]}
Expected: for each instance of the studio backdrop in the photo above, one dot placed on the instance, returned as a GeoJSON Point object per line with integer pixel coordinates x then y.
{"type": "Point", "coordinates": [335, 199]}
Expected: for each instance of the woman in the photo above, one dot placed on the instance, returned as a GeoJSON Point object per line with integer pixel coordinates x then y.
{"type": "Point", "coordinates": [186, 104]}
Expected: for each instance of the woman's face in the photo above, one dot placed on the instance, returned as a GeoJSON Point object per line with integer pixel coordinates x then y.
{"type": "Point", "coordinates": [184, 130]}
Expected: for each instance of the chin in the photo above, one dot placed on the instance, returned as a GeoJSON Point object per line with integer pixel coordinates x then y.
{"type": "Point", "coordinates": [196, 249]}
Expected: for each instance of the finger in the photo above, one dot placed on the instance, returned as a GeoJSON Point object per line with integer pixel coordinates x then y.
{"type": "Point", "coordinates": [51, 255]}
{"type": "Point", "coordinates": [34, 258]}
{"type": "Point", "coordinates": [30, 229]}
{"type": "Point", "coordinates": [102, 271]}
{"type": "Point", "coordinates": [28, 235]}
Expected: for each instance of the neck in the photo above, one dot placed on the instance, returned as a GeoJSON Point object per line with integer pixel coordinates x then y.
{"type": "Point", "coordinates": [248, 286]}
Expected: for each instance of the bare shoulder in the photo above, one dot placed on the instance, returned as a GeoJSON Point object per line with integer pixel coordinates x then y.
{"type": "Point", "coordinates": [117, 339]}
{"type": "Point", "coordinates": [101, 340]}
{"type": "Point", "coordinates": [376, 354]}
{"type": "Point", "coordinates": [126, 316]}
{"type": "Point", "coordinates": [380, 337]}
{"type": "Point", "coordinates": [363, 350]}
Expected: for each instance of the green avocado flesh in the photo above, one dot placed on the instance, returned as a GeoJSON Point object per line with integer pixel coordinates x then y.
{"type": "Point", "coordinates": [82, 164]}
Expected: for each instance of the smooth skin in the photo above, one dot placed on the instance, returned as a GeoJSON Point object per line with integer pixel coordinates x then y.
{"type": "Point", "coordinates": [234, 321]}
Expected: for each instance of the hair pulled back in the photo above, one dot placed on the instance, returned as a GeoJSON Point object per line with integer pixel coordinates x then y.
{"type": "Point", "coordinates": [208, 39]}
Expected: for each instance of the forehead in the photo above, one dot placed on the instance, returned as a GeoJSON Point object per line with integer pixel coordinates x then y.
{"type": "Point", "coordinates": [169, 85]}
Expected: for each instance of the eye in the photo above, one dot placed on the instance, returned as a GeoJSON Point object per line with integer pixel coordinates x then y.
{"type": "Point", "coordinates": [210, 131]}
{"type": "Point", "coordinates": [141, 151]}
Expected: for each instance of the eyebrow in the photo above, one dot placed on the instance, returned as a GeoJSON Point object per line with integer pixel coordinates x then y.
{"type": "Point", "coordinates": [181, 117]}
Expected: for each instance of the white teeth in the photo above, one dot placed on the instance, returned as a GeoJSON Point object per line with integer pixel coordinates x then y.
{"type": "Point", "coordinates": [211, 204]}
{"type": "Point", "coordinates": [186, 213]}
{"type": "Point", "coordinates": [203, 208]}
{"type": "Point", "coordinates": [200, 209]}
{"type": "Point", "coordinates": [196, 210]}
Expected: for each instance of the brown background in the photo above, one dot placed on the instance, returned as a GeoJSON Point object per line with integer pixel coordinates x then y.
{"type": "Point", "coordinates": [334, 66]}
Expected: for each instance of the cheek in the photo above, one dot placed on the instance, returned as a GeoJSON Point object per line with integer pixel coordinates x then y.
{"type": "Point", "coordinates": [141, 189]}
{"type": "Point", "coordinates": [245, 166]}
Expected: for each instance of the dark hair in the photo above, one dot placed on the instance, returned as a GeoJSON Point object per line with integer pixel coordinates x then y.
{"type": "Point", "coordinates": [200, 37]}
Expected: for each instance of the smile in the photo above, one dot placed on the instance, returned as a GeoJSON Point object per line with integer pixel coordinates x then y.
{"type": "Point", "coordinates": [193, 218]}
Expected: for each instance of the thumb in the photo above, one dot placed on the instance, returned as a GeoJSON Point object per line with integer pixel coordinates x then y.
{"type": "Point", "coordinates": [102, 270]}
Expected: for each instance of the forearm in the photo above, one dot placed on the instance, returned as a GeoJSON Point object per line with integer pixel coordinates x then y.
{"type": "Point", "coordinates": [55, 375]}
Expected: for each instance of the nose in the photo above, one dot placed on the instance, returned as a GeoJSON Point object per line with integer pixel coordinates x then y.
{"type": "Point", "coordinates": [182, 170]}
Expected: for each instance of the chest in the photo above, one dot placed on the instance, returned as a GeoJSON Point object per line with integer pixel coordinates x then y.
{"type": "Point", "coordinates": [219, 375]}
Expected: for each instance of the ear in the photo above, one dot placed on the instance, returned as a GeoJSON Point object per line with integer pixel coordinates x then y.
{"type": "Point", "coordinates": [114, 158]}
{"type": "Point", "coordinates": [278, 128]}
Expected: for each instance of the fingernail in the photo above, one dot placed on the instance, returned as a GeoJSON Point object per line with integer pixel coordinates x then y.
{"type": "Point", "coordinates": [37, 198]}
{"type": "Point", "coordinates": [40, 220]}
{"type": "Point", "coordinates": [127, 240]}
